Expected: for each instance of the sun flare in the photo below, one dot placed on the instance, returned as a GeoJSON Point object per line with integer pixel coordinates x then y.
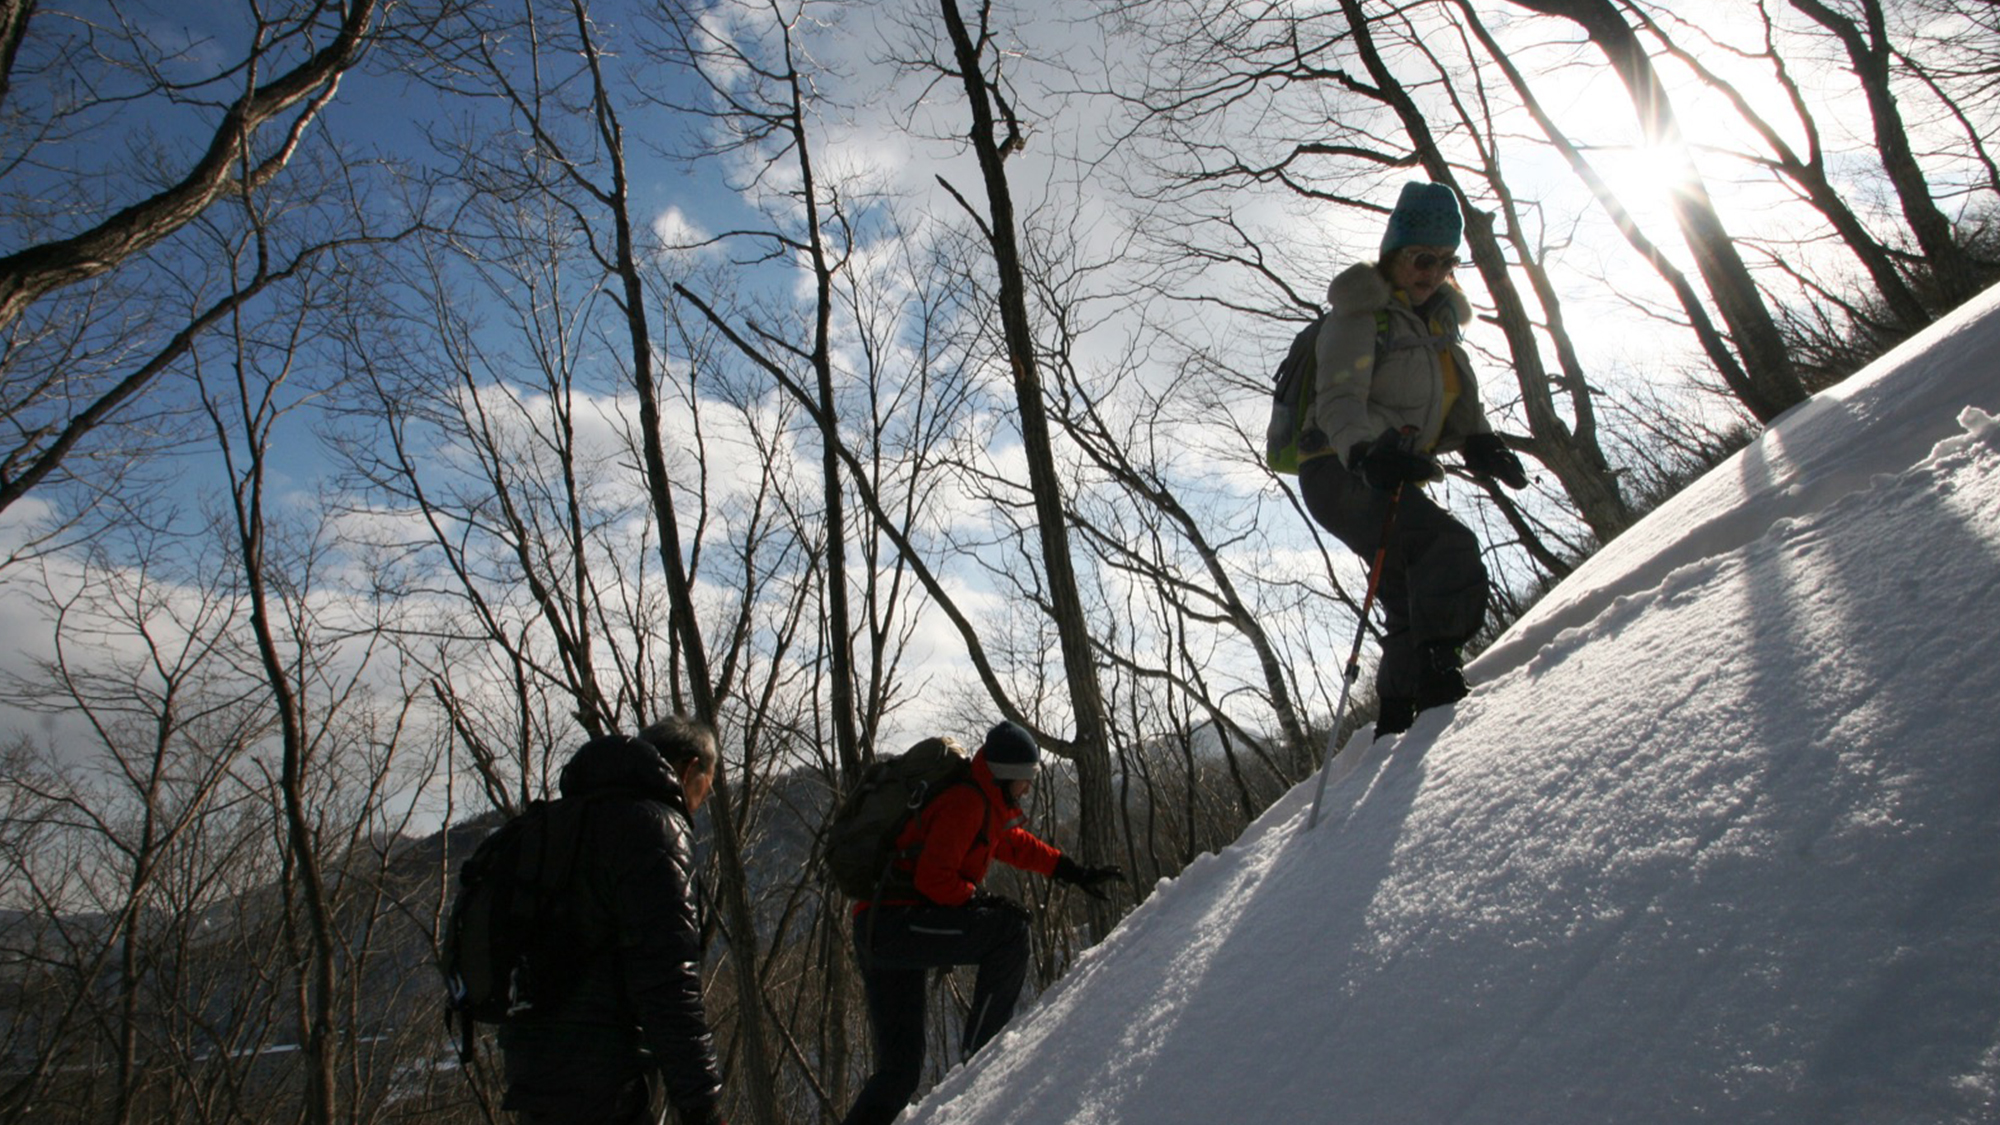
{"type": "Point", "coordinates": [1651, 173]}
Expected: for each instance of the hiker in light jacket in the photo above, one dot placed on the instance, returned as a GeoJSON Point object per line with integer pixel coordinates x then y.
{"type": "Point", "coordinates": [934, 915]}
{"type": "Point", "coordinates": [1395, 388]}
{"type": "Point", "coordinates": [635, 1010]}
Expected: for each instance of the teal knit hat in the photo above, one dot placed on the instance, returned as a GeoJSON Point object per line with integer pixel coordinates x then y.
{"type": "Point", "coordinates": [1425, 215]}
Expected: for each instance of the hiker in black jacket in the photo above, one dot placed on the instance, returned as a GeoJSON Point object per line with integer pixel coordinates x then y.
{"type": "Point", "coordinates": [635, 1007]}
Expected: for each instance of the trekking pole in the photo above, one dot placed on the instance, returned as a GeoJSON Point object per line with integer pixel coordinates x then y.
{"type": "Point", "coordinates": [1353, 671]}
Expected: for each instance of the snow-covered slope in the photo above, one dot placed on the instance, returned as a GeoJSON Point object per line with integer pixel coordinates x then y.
{"type": "Point", "coordinates": [1715, 838]}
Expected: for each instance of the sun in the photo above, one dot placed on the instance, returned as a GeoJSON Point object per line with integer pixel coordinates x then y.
{"type": "Point", "coordinates": [1667, 166]}
{"type": "Point", "coordinates": [1648, 175]}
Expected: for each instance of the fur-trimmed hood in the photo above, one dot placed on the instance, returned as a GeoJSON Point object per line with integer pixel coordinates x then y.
{"type": "Point", "coordinates": [1361, 288]}
{"type": "Point", "coordinates": [1378, 366]}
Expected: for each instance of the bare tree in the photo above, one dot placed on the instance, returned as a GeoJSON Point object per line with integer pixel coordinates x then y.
{"type": "Point", "coordinates": [86, 265]}
{"type": "Point", "coordinates": [310, 660]}
{"type": "Point", "coordinates": [232, 650]}
{"type": "Point", "coordinates": [139, 659]}
{"type": "Point", "coordinates": [1863, 32]}
{"type": "Point", "coordinates": [151, 874]}
{"type": "Point", "coordinates": [1145, 523]}
{"type": "Point", "coordinates": [538, 609]}
{"type": "Point", "coordinates": [1954, 53]}
{"type": "Point", "coordinates": [1807, 170]}
{"type": "Point", "coordinates": [1770, 384]}
{"type": "Point", "coordinates": [758, 103]}
{"type": "Point", "coordinates": [995, 133]}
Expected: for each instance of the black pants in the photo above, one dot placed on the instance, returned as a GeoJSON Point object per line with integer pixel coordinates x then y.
{"type": "Point", "coordinates": [1433, 582]}
{"type": "Point", "coordinates": [897, 947]}
{"type": "Point", "coordinates": [566, 1088]}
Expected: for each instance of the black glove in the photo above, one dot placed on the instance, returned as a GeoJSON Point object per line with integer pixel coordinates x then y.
{"type": "Point", "coordinates": [1390, 461]}
{"type": "Point", "coordinates": [1090, 879]}
{"type": "Point", "coordinates": [986, 900]}
{"type": "Point", "coordinates": [1487, 456]}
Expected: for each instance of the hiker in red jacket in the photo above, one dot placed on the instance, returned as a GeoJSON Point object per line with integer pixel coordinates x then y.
{"type": "Point", "coordinates": [938, 917]}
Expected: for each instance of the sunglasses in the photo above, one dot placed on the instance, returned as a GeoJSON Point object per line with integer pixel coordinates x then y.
{"type": "Point", "coordinates": [1426, 260]}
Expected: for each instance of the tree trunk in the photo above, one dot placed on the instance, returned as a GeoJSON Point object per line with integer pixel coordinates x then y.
{"type": "Point", "coordinates": [1870, 55]}
{"type": "Point", "coordinates": [32, 272]}
{"type": "Point", "coordinates": [1808, 172]}
{"type": "Point", "coordinates": [319, 946]}
{"type": "Point", "coordinates": [1089, 749]}
{"type": "Point", "coordinates": [758, 1061]}
{"type": "Point", "coordinates": [839, 622]}
{"type": "Point", "coordinates": [1772, 384]}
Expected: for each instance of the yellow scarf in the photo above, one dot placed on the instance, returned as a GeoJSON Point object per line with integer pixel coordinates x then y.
{"type": "Point", "coordinates": [1446, 365]}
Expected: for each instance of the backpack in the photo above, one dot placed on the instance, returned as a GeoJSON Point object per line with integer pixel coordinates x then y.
{"type": "Point", "coordinates": [858, 852]}
{"type": "Point", "coordinates": [1292, 393]}
{"type": "Point", "coordinates": [513, 938]}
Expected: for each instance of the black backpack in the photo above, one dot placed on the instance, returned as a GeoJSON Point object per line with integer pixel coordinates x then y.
{"type": "Point", "coordinates": [518, 936]}
{"type": "Point", "coordinates": [858, 849]}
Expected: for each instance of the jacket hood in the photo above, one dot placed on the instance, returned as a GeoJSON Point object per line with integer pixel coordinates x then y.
{"type": "Point", "coordinates": [1361, 288]}
{"type": "Point", "coordinates": [620, 762]}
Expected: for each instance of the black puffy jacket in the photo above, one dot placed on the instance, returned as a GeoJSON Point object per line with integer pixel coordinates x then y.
{"type": "Point", "coordinates": [637, 874]}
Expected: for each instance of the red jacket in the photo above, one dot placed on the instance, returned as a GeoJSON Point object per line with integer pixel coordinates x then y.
{"type": "Point", "coordinates": [962, 831]}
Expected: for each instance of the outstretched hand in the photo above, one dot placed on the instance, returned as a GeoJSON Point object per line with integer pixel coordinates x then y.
{"type": "Point", "coordinates": [1090, 880]}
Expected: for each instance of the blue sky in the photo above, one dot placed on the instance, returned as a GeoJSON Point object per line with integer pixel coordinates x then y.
{"type": "Point", "coordinates": [901, 133]}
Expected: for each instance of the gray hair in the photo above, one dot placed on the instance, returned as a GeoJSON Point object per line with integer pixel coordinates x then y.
{"type": "Point", "coordinates": [681, 740]}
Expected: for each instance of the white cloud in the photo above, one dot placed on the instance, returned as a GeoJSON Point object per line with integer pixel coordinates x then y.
{"type": "Point", "coordinates": [676, 231]}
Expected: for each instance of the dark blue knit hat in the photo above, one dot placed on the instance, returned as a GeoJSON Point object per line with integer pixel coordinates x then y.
{"type": "Point", "coordinates": [1011, 752]}
{"type": "Point", "coordinates": [1425, 215]}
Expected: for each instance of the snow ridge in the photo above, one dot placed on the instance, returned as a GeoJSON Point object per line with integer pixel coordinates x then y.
{"type": "Point", "coordinates": [1713, 839]}
{"type": "Point", "coordinates": [1879, 421]}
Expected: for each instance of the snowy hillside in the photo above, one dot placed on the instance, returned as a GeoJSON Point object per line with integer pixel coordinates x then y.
{"type": "Point", "coordinates": [1715, 838]}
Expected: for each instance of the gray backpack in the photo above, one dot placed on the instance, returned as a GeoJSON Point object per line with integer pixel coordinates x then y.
{"type": "Point", "coordinates": [1292, 396]}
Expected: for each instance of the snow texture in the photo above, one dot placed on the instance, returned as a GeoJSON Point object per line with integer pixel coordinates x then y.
{"type": "Point", "coordinates": [1716, 837]}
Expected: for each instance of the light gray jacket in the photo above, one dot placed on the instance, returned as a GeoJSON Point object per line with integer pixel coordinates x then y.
{"type": "Point", "coordinates": [1362, 391]}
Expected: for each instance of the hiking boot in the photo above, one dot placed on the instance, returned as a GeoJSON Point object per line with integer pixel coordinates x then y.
{"type": "Point", "coordinates": [1396, 715]}
{"type": "Point", "coordinates": [1440, 679]}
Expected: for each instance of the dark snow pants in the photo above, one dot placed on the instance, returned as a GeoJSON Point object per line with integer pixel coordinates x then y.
{"type": "Point", "coordinates": [897, 947]}
{"type": "Point", "coordinates": [547, 1087]}
{"type": "Point", "coordinates": [1433, 582]}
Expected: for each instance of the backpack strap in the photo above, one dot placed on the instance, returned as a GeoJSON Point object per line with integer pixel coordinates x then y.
{"type": "Point", "coordinates": [919, 801]}
{"type": "Point", "coordinates": [1425, 340]}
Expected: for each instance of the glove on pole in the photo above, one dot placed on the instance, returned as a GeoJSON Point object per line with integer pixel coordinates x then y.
{"type": "Point", "coordinates": [1353, 672]}
{"type": "Point", "coordinates": [1392, 460]}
